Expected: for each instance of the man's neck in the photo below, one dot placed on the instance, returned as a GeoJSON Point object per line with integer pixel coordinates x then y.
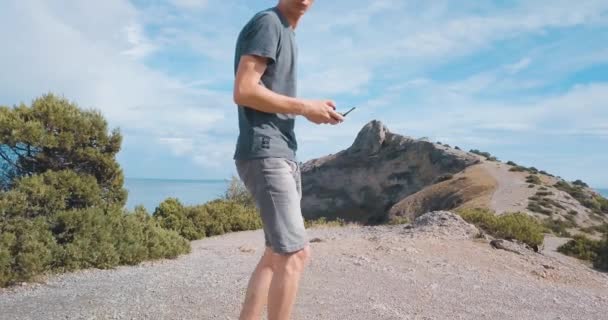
{"type": "Point", "coordinates": [292, 20]}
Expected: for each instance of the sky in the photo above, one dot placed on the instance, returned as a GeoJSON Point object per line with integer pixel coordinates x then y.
{"type": "Point", "coordinates": [526, 81]}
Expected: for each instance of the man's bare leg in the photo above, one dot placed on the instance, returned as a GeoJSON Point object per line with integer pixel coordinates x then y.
{"type": "Point", "coordinates": [257, 290]}
{"type": "Point", "coordinates": [285, 280]}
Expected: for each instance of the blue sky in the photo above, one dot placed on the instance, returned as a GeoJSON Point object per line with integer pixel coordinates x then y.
{"type": "Point", "coordinates": [524, 80]}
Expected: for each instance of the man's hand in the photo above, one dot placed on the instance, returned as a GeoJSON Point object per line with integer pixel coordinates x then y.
{"type": "Point", "coordinates": [321, 111]}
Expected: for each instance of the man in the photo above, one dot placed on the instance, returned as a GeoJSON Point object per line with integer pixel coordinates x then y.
{"type": "Point", "coordinates": [265, 156]}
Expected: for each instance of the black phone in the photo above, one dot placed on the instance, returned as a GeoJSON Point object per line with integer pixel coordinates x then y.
{"type": "Point", "coordinates": [347, 112]}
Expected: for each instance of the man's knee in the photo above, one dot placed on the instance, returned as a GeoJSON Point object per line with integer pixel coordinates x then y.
{"type": "Point", "coordinates": [293, 261]}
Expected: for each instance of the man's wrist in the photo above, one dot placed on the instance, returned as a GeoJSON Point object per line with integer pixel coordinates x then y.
{"type": "Point", "coordinates": [301, 107]}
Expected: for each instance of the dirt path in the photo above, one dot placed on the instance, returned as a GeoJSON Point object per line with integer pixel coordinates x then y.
{"type": "Point", "coordinates": [512, 190]}
{"type": "Point", "coordinates": [356, 273]}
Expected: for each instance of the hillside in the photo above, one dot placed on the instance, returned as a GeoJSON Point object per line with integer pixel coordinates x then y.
{"type": "Point", "coordinates": [384, 174]}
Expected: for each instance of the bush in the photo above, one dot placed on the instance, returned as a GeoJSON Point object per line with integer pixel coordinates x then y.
{"type": "Point", "coordinates": [75, 239]}
{"type": "Point", "coordinates": [558, 227]}
{"type": "Point", "coordinates": [95, 238]}
{"type": "Point", "coordinates": [54, 134]}
{"type": "Point", "coordinates": [509, 226]}
{"type": "Point", "coordinates": [487, 155]}
{"type": "Point", "coordinates": [213, 218]}
{"type": "Point", "coordinates": [596, 203]}
{"type": "Point", "coordinates": [536, 207]}
{"type": "Point", "coordinates": [580, 183]}
{"type": "Point", "coordinates": [581, 247]}
{"type": "Point", "coordinates": [601, 260]}
{"type": "Point", "coordinates": [444, 177]}
{"type": "Point", "coordinates": [534, 179]}
{"type": "Point", "coordinates": [323, 222]}
{"type": "Point", "coordinates": [171, 215]}
{"type": "Point", "coordinates": [511, 163]}
{"type": "Point", "coordinates": [398, 220]}
{"type": "Point", "coordinates": [229, 216]}
{"type": "Point", "coordinates": [49, 192]}
{"type": "Point", "coordinates": [518, 169]}
{"type": "Point", "coordinates": [237, 192]}
{"type": "Point", "coordinates": [27, 248]}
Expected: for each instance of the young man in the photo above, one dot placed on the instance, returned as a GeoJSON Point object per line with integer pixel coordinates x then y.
{"type": "Point", "coordinates": [265, 156]}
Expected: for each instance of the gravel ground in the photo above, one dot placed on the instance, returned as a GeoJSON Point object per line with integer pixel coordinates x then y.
{"type": "Point", "coordinates": [356, 273]}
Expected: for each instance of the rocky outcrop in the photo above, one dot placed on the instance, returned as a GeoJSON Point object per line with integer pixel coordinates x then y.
{"type": "Point", "coordinates": [380, 168]}
{"type": "Point", "coordinates": [445, 224]}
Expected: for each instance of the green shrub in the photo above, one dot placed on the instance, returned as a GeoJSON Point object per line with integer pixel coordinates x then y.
{"type": "Point", "coordinates": [596, 203]}
{"type": "Point", "coordinates": [534, 179]}
{"type": "Point", "coordinates": [558, 227]}
{"type": "Point", "coordinates": [171, 215]}
{"type": "Point", "coordinates": [49, 192]}
{"type": "Point", "coordinates": [601, 260]}
{"type": "Point", "coordinates": [487, 155]}
{"type": "Point", "coordinates": [544, 193]}
{"type": "Point", "coordinates": [398, 220]}
{"type": "Point", "coordinates": [510, 226]}
{"type": "Point", "coordinates": [580, 183]}
{"type": "Point", "coordinates": [237, 192]}
{"type": "Point", "coordinates": [602, 228]}
{"type": "Point", "coordinates": [229, 216]}
{"type": "Point", "coordinates": [323, 222]}
{"type": "Point", "coordinates": [54, 134]}
{"type": "Point", "coordinates": [581, 247]}
{"type": "Point", "coordinates": [27, 248]}
{"type": "Point", "coordinates": [444, 177]}
{"type": "Point", "coordinates": [535, 207]}
{"type": "Point", "coordinates": [511, 163]}
{"type": "Point", "coordinates": [518, 169]}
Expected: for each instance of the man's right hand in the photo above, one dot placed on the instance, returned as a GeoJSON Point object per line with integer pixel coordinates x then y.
{"type": "Point", "coordinates": [322, 111]}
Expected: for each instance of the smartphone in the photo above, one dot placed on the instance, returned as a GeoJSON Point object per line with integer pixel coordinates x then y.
{"type": "Point", "coordinates": [347, 112]}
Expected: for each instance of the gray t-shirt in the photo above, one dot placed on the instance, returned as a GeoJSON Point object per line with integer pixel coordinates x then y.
{"type": "Point", "coordinates": [262, 134]}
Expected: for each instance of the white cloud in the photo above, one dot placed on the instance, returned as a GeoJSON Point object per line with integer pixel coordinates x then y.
{"type": "Point", "coordinates": [140, 46]}
{"type": "Point", "coordinates": [518, 66]}
{"type": "Point", "coordinates": [93, 64]}
{"type": "Point", "coordinates": [179, 146]}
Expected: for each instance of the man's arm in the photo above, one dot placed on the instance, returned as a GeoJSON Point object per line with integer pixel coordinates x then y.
{"type": "Point", "coordinates": [248, 92]}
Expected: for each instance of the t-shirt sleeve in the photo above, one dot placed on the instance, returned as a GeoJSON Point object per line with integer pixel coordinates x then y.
{"type": "Point", "coordinates": [261, 38]}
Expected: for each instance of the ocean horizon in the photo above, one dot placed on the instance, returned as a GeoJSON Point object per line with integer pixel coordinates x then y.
{"type": "Point", "coordinates": [150, 192]}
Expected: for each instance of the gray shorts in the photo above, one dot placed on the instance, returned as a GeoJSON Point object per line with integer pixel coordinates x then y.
{"type": "Point", "coordinates": [276, 185]}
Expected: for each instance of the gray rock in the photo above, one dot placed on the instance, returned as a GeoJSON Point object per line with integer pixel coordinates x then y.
{"type": "Point", "coordinates": [445, 224]}
{"type": "Point", "coordinates": [380, 168]}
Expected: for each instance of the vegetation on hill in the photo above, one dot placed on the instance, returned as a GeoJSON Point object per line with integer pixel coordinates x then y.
{"type": "Point", "coordinates": [519, 226]}
{"type": "Point", "coordinates": [587, 249]}
{"type": "Point", "coordinates": [487, 155]}
{"type": "Point", "coordinates": [595, 202]}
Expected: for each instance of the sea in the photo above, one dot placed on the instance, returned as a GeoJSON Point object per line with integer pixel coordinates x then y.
{"type": "Point", "coordinates": [603, 192]}
{"type": "Point", "coordinates": [151, 192]}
